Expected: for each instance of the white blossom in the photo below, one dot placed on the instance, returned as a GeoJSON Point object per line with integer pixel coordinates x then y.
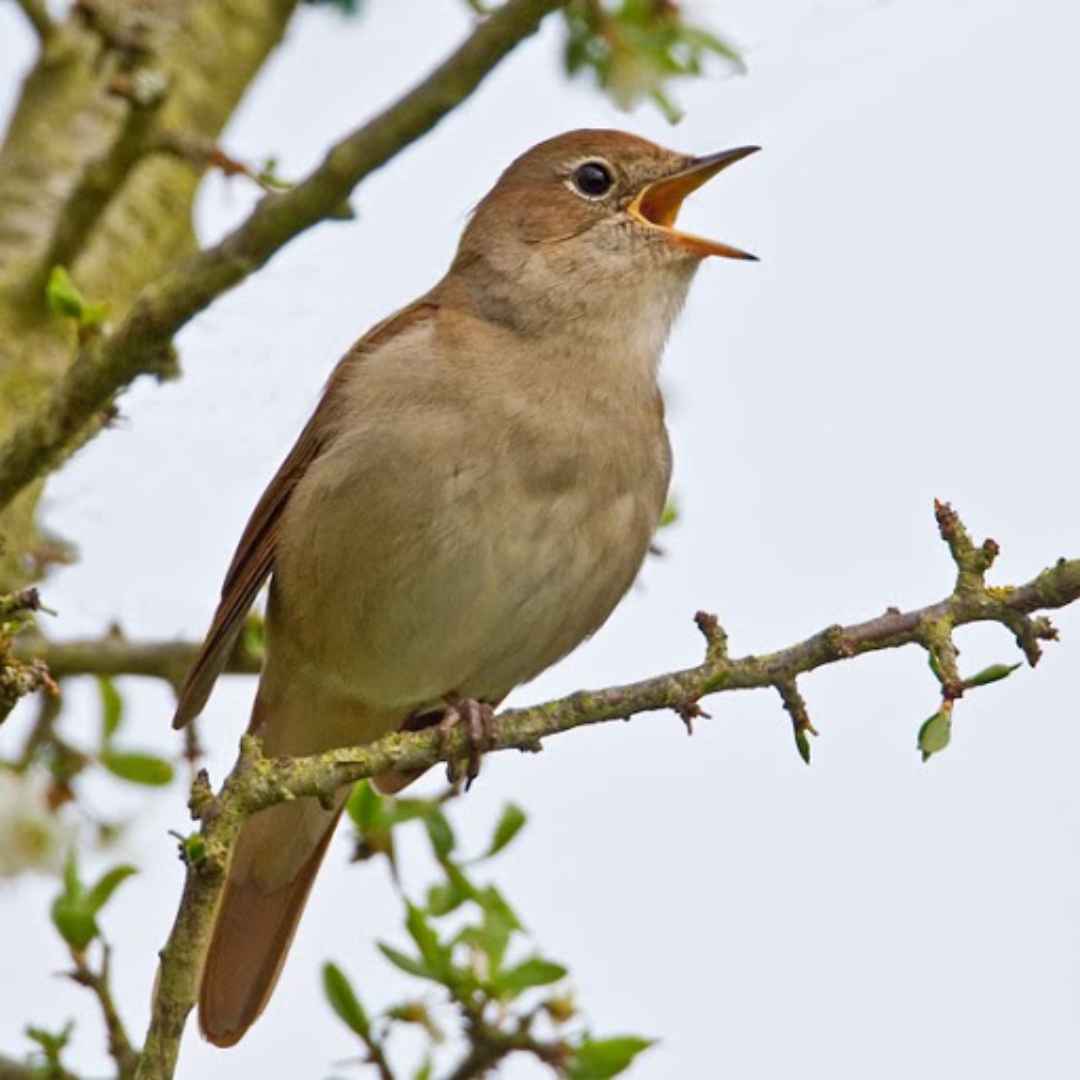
{"type": "Point", "coordinates": [33, 837]}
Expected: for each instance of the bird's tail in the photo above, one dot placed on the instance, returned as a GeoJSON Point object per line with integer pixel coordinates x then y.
{"type": "Point", "coordinates": [273, 864]}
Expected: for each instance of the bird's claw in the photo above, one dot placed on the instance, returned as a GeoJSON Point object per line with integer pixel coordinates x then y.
{"type": "Point", "coordinates": [476, 720]}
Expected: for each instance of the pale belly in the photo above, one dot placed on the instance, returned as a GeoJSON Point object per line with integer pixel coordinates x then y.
{"type": "Point", "coordinates": [457, 571]}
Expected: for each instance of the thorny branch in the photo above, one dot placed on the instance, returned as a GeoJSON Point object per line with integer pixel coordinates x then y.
{"type": "Point", "coordinates": [108, 362]}
{"type": "Point", "coordinates": [257, 782]}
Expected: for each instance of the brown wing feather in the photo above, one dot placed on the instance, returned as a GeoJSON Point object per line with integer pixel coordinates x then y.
{"type": "Point", "coordinates": [254, 559]}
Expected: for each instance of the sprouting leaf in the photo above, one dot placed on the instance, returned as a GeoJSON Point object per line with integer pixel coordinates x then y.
{"type": "Point", "coordinates": [510, 823]}
{"type": "Point", "coordinates": [599, 1059]}
{"type": "Point", "coordinates": [802, 744]}
{"type": "Point", "coordinates": [410, 965]}
{"type": "Point", "coordinates": [992, 674]}
{"type": "Point", "coordinates": [436, 956]}
{"type": "Point", "coordinates": [74, 911]}
{"type": "Point", "coordinates": [535, 971]}
{"type": "Point", "coordinates": [64, 298]}
{"type": "Point", "coordinates": [112, 708]}
{"type": "Point", "coordinates": [442, 899]}
{"type": "Point", "coordinates": [424, 1072]}
{"type": "Point", "coordinates": [439, 833]}
{"type": "Point", "coordinates": [106, 885]}
{"type": "Point", "coordinates": [491, 936]}
{"type": "Point", "coordinates": [138, 768]}
{"type": "Point", "coordinates": [193, 848]}
{"type": "Point", "coordinates": [343, 1000]}
{"type": "Point", "coordinates": [51, 1046]}
{"type": "Point", "coordinates": [670, 514]}
{"type": "Point", "coordinates": [935, 733]}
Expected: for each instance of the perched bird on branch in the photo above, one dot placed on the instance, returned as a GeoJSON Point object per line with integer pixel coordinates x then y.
{"type": "Point", "coordinates": [473, 495]}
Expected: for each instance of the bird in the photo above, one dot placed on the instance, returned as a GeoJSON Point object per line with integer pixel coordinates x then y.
{"type": "Point", "coordinates": [475, 491]}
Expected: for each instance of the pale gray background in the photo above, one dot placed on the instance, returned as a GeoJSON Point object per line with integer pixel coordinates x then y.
{"type": "Point", "coordinates": [910, 332]}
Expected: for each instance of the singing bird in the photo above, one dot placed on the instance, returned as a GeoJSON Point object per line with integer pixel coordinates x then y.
{"type": "Point", "coordinates": [474, 493]}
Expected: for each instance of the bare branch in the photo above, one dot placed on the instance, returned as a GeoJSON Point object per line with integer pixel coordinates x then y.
{"type": "Point", "coordinates": [114, 655]}
{"type": "Point", "coordinates": [109, 362]}
{"type": "Point", "coordinates": [121, 1051]}
{"type": "Point", "coordinates": [257, 783]}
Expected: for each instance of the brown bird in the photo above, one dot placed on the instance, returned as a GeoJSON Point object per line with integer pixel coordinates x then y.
{"type": "Point", "coordinates": [473, 495]}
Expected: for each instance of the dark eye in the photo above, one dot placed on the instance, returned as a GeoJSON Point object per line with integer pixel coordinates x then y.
{"type": "Point", "coordinates": [592, 179]}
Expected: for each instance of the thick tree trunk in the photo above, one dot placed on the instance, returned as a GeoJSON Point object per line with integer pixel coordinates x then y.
{"type": "Point", "coordinates": [79, 187]}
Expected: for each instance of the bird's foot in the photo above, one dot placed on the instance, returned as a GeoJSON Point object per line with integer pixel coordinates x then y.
{"type": "Point", "coordinates": [476, 719]}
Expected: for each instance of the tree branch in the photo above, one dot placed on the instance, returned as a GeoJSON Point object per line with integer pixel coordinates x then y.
{"type": "Point", "coordinates": [38, 16]}
{"type": "Point", "coordinates": [122, 1052]}
{"type": "Point", "coordinates": [257, 782]}
{"type": "Point", "coordinates": [108, 363]}
{"type": "Point", "coordinates": [114, 655]}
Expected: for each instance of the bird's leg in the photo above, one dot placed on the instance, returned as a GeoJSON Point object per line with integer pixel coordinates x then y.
{"type": "Point", "coordinates": [476, 718]}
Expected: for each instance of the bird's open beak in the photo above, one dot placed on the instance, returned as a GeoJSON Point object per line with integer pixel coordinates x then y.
{"type": "Point", "coordinates": [657, 204]}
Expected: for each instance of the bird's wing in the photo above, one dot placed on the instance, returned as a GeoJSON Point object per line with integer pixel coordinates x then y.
{"type": "Point", "coordinates": [254, 558]}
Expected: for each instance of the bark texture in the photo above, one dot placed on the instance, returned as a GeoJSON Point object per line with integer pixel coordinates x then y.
{"type": "Point", "coordinates": [81, 186]}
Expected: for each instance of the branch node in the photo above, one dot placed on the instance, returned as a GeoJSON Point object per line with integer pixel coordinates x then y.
{"type": "Point", "coordinates": [688, 712]}
{"type": "Point", "coordinates": [716, 640]}
{"type": "Point", "coordinates": [838, 643]}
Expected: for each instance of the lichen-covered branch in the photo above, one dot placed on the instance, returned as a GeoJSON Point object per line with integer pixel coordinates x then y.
{"type": "Point", "coordinates": [257, 782]}
{"type": "Point", "coordinates": [107, 363]}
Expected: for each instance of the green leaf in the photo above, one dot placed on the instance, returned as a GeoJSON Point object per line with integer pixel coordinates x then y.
{"type": "Point", "coordinates": [138, 768]}
{"type": "Point", "coordinates": [442, 899]}
{"type": "Point", "coordinates": [599, 1059]}
{"type": "Point", "coordinates": [670, 514]}
{"type": "Point", "coordinates": [439, 833]}
{"type": "Point", "coordinates": [193, 848]}
{"type": "Point", "coordinates": [72, 885]}
{"type": "Point", "coordinates": [74, 911]}
{"type": "Point", "coordinates": [365, 806]}
{"type": "Point", "coordinates": [112, 708]}
{"type": "Point", "coordinates": [344, 1001]}
{"type": "Point", "coordinates": [510, 823]}
{"type": "Point", "coordinates": [436, 956]}
{"type": "Point", "coordinates": [64, 298]}
{"type": "Point", "coordinates": [935, 733]}
{"type": "Point", "coordinates": [992, 674]}
{"type": "Point", "coordinates": [51, 1045]}
{"type": "Point", "coordinates": [425, 1071]}
{"type": "Point", "coordinates": [535, 971]}
{"type": "Point", "coordinates": [106, 885]}
{"type": "Point", "coordinates": [491, 937]}
{"type": "Point", "coordinates": [408, 964]}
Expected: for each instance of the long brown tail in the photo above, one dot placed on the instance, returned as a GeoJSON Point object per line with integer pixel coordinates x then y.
{"type": "Point", "coordinates": [258, 915]}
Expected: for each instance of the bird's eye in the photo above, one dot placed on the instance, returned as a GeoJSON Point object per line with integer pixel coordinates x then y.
{"type": "Point", "coordinates": [593, 179]}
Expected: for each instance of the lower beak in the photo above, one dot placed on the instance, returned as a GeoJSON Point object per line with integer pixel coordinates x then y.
{"type": "Point", "coordinates": [657, 204]}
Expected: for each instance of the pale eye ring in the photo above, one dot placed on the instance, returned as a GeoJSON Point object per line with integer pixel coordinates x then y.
{"type": "Point", "coordinates": [592, 179]}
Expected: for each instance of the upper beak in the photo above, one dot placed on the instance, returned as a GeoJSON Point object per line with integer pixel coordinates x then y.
{"type": "Point", "coordinates": [658, 203]}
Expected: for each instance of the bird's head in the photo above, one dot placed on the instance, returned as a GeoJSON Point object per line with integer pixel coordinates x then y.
{"type": "Point", "coordinates": [588, 218]}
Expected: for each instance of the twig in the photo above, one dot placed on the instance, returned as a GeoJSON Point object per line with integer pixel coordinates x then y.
{"type": "Point", "coordinates": [120, 1048]}
{"type": "Point", "coordinates": [257, 783]}
{"type": "Point", "coordinates": [38, 16]}
{"type": "Point", "coordinates": [109, 362]}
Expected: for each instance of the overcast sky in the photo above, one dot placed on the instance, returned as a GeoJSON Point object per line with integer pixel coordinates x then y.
{"type": "Point", "coordinates": [910, 332]}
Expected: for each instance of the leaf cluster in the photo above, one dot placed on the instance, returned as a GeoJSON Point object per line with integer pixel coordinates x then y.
{"type": "Point", "coordinates": [466, 939]}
